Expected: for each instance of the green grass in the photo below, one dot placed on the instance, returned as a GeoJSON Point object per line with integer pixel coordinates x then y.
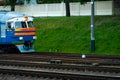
{"type": "Point", "coordinates": [72, 34]}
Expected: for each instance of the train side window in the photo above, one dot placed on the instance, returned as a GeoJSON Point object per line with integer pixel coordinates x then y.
{"type": "Point", "coordinates": [9, 25]}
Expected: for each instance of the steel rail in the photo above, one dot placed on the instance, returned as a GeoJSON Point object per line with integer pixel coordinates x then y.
{"type": "Point", "coordinates": [63, 76]}
{"type": "Point", "coordinates": [65, 55]}
{"type": "Point", "coordinates": [87, 68]}
{"type": "Point", "coordinates": [65, 58]}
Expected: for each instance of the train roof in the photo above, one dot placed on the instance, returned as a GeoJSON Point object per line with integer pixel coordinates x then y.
{"type": "Point", "coordinates": [5, 15]}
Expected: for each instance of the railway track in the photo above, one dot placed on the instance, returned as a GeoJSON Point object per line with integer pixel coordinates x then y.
{"type": "Point", "coordinates": [64, 58]}
{"type": "Point", "coordinates": [59, 71]}
{"type": "Point", "coordinates": [60, 75]}
{"type": "Point", "coordinates": [77, 67]}
{"type": "Point", "coordinates": [60, 67]}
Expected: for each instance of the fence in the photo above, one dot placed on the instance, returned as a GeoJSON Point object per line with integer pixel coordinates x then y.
{"type": "Point", "coordinates": [58, 9]}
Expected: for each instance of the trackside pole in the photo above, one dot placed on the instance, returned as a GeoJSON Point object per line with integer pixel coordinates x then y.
{"type": "Point", "coordinates": [92, 27]}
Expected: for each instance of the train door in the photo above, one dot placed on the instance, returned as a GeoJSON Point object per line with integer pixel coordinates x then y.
{"type": "Point", "coordinates": [9, 31]}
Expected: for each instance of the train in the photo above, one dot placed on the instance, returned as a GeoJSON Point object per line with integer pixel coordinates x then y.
{"type": "Point", "coordinates": [17, 32]}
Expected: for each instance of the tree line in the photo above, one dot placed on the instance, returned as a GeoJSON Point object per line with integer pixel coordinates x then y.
{"type": "Point", "coordinates": [12, 3]}
{"type": "Point", "coordinates": [59, 1]}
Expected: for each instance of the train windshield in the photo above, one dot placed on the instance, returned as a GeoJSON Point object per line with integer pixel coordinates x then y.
{"type": "Point", "coordinates": [30, 24]}
{"type": "Point", "coordinates": [23, 24]}
{"type": "Point", "coordinates": [20, 25]}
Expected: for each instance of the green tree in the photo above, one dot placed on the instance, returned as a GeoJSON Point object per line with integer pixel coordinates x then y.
{"type": "Point", "coordinates": [68, 5]}
{"type": "Point", "coordinates": [67, 8]}
{"type": "Point", "coordinates": [12, 4]}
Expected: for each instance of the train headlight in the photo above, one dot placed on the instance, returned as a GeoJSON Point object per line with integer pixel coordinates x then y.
{"type": "Point", "coordinates": [34, 37]}
{"type": "Point", "coordinates": [20, 38]}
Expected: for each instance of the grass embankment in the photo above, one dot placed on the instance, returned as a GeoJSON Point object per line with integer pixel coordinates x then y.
{"type": "Point", "coordinates": [72, 34]}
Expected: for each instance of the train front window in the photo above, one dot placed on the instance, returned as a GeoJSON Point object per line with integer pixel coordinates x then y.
{"type": "Point", "coordinates": [24, 25]}
{"type": "Point", "coordinates": [20, 25]}
{"type": "Point", "coordinates": [30, 24]}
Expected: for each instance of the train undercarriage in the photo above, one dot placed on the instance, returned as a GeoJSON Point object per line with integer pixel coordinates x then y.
{"type": "Point", "coordinates": [21, 48]}
{"type": "Point", "coordinates": [8, 48]}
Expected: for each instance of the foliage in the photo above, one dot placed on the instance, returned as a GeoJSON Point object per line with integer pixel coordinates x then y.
{"type": "Point", "coordinates": [6, 2]}
{"type": "Point", "coordinates": [28, 1]}
{"type": "Point", "coordinates": [12, 4]}
{"type": "Point", "coordinates": [59, 1]}
{"type": "Point", "coordinates": [48, 1]}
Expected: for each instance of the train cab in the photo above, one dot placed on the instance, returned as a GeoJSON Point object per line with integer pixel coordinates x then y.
{"type": "Point", "coordinates": [18, 29]}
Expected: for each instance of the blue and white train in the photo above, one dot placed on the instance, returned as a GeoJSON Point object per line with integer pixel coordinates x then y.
{"type": "Point", "coordinates": [17, 32]}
